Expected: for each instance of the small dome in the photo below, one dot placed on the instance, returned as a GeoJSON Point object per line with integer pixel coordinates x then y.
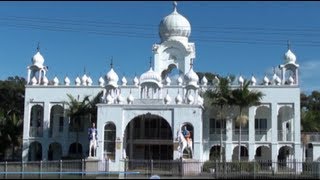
{"type": "Point", "coordinates": [34, 81]}
{"type": "Point", "coordinates": [101, 81]}
{"type": "Point", "coordinates": [180, 80]}
{"type": "Point", "coordinates": [178, 98]}
{"type": "Point", "coordinates": [191, 78]}
{"type": "Point", "coordinates": [168, 81]}
{"type": "Point", "coordinates": [204, 81]}
{"type": "Point", "coordinates": [66, 81]}
{"type": "Point", "coordinates": [190, 99]}
{"type": "Point", "coordinates": [55, 81]}
{"type": "Point", "coordinates": [167, 99]}
{"type": "Point", "coordinates": [124, 81]}
{"type": "Point", "coordinates": [45, 80]}
{"type": "Point", "coordinates": [174, 25]}
{"type": "Point", "coordinates": [135, 81]}
{"type": "Point", "coordinates": [253, 80]}
{"type": "Point", "coordinates": [240, 80]}
{"type": "Point", "coordinates": [130, 99]}
{"type": "Point", "coordinates": [151, 77]}
{"type": "Point", "coordinates": [38, 60]}
{"type": "Point", "coordinates": [266, 80]}
{"type": "Point", "coordinates": [109, 99]}
{"type": "Point", "coordinates": [89, 81]}
{"type": "Point", "coordinates": [289, 57]}
{"type": "Point", "coordinates": [84, 80]}
{"type": "Point", "coordinates": [112, 78]}
{"type": "Point", "coordinates": [120, 99]}
{"type": "Point", "coordinates": [77, 81]}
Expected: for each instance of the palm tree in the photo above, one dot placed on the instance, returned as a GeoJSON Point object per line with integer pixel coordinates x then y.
{"type": "Point", "coordinates": [77, 110]}
{"type": "Point", "coordinates": [220, 96]}
{"type": "Point", "coordinates": [244, 98]}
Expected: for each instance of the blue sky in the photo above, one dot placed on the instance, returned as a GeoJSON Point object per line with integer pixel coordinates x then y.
{"type": "Point", "coordinates": [246, 38]}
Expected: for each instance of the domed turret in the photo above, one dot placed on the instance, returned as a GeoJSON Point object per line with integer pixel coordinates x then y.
{"type": "Point", "coordinates": [112, 77]}
{"type": "Point", "coordinates": [130, 98]}
{"type": "Point", "coordinates": [167, 99]}
{"type": "Point", "coordinates": [178, 98]}
{"type": "Point", "coordinates": [66, 81]}
{"type": "Point", "coordinates": [37, 59]}
{"type": "Point", "coordinates": [120, 99]}
{"type": "Point", "coordinates": [266, 80]}
{"type": "Point", "coordinates": [135, 81]}
{"type": "Point", "coordinates": [174, 26]}
{"type": "Point", "coordinates": [289, 57]}
{"type": "Point", "coordinates": [191, 78]}
{"type": "Point", "coordinates": [84, 80]}
{"type": "Point", "coordinates": [151, 77]}
{"type": "Point", "coordinates": [253, 80]}
{"type": "Point", "coordinates": [77, 81]}
{"type": "Point", "coordinates": [55, 81]}
{"type": "Point", "coordinates": [101, 81]}
{"type": "Point", "coordinates": [124, 81]}
{"type": "Point", "coordinates": [240, 80]}
{"type": "Point", "coordinates": [179, 80]}
{"type": "Point", "coordinates": [204, 81]}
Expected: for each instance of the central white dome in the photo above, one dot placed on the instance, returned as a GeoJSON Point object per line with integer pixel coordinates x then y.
{"type": "Point", "coordinates": [151, 77]}
{"type": "Point", "coordinates": [112, 78]}
{"type": "Point", "coordinates": [38, 60]}
{"type": "Point", "coordinates": [289, 57]}
{"type": "Point", "coordinates": [174, 25]}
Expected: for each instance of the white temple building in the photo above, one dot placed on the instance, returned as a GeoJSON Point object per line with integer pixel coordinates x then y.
{"type": "Point", "coordinates": [140, 119]}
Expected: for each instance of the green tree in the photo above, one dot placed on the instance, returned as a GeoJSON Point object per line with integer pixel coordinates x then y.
{"type": "Point", "coordinates": [11, 114]}
{"type": "Point", "coordinates": [79, 110]}
{"type": "Point", "coordinates": [220, 96]}
{"type": "Point", "coordinates": [310, 112]}
{"type": "Point", "coordinates": [244, 98]}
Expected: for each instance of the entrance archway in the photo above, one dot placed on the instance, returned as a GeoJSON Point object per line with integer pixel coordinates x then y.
{"type": "Point", "coordinates": [149, 136]}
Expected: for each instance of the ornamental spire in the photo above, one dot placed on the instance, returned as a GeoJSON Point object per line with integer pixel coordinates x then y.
{"type": "Point", "coordinates": [150, 61]}
{"type": "Point", "coordinates": [175, 6]}
{"type": "Point", "coordinates": [38, 47]}
{"type": "Point", "coordinates": [288, 44]}
{"type": "Point", "coordinates": [111, 63]}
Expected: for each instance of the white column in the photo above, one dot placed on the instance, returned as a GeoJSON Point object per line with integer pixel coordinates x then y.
{"type": "Point", "coordinates": [274, 135]}
{"type": "Point", "coordinates": [29, 74]}
{"type": "Point", "coordinates": [252, 151]}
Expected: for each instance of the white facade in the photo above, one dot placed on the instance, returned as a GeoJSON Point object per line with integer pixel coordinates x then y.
{"type": "Point", "coordinates": [140, 119]}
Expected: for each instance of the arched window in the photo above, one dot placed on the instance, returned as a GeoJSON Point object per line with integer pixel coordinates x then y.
{"type": "Point", "coordinates": [36, 121]}
{"type": "Point", "coordinates": [110, 141]}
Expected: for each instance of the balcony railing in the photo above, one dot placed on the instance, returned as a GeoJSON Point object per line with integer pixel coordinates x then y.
{"type": "Point", "coordinates": [312, 136]}
{"type": "Point", "coordinates": [244, 135]}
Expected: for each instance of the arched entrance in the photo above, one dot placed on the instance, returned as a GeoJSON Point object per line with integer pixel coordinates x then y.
{"type": "Point", "coordinates": [149, 136]}
{"type": "Point", "coordinates": [55, 151]}
{"type": "Point", "coordinates": [35, 152]}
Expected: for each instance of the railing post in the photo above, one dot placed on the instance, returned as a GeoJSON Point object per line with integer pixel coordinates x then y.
{"type": "Point", "coordinates": [60, 168]}
{"type": "Point", "coordinates": [151, 167]}
{"type": "Point", "coordinates": [254, 169]}
{"type": "Point", "coordinates": [82, 168]}
{"type": "Point", "coordinates": [6, 169]}
{"type": "Point", "coordinates": [40, 170]}
{"type": "Point", "coordinates": [22, 170]}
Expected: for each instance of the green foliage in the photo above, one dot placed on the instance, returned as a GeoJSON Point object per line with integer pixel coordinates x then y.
{"type": "Point", "coordinates": [11, 114]}
{"type": "Point", "coordinates": [310, 112]}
